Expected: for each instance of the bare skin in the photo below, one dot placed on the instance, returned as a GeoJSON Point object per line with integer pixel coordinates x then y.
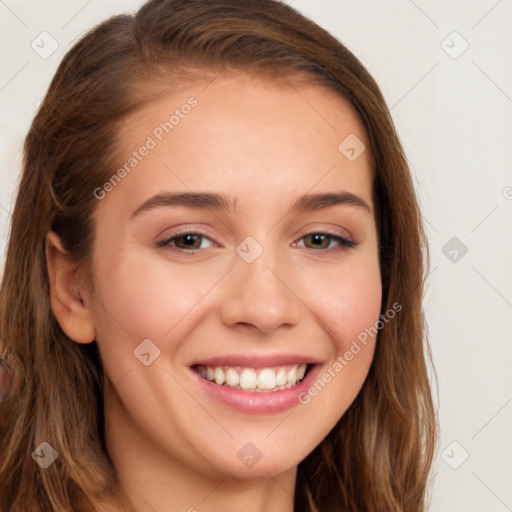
{"type": "Point", "coordinates": [264, 144]}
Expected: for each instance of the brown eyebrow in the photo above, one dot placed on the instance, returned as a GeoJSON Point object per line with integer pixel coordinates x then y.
{"type": "Point", "coordinates": [318, 201]}
{"type": "Point", "coordinates": [221, 202]}
{"type": "Point", "coordinates": [201, 200]}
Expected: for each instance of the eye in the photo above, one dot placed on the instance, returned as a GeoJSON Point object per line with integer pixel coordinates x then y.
{"type": "Point", "coordinates": [319, 239]}
{"type": "Point", "coordinates": [185, 241]}
{"type": "Point", "coordinates": [191, 241]}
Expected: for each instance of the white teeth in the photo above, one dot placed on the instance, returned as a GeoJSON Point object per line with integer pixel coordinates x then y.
{"type": "Point", "coordinates": [292, 375]}
{"type": "Point", "coordinates": [281, 378]}
{"type": "Point", "coordinates": [267, 379]}
{"type": "Point", "coordinates": [248, 379]}
{"type": "Point", "coordinates": [218, 376]}
{"type": "Point", "coordinates": [232, 378]}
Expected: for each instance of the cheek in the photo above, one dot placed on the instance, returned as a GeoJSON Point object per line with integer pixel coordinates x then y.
{"type": "Point", "coordinates": [138, 302]}
{"type": "Point", "coordinates": [346, 298]}
{"type": "Point", "coordinates": [149, 300]}
{"type": "Point", "coordinates": [349, 312]}
{"type": "Point", "coordinates": [355, 306]}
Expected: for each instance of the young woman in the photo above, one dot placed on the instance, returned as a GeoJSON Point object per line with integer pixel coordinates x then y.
{"type": "Point", "coordinates": [212, 292]}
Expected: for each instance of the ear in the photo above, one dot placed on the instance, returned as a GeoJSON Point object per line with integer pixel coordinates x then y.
{"type": "Point", "coordinates": [70, 301]}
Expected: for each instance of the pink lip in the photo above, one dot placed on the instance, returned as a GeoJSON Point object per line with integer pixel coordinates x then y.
{"type": "Point", "coordinates": [258, 402]}
{"type": "Point", "coordinates": [256, 361]}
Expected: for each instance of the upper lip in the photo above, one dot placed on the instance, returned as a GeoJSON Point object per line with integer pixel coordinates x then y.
{"type": "Point", "coordinates": [256, 360]}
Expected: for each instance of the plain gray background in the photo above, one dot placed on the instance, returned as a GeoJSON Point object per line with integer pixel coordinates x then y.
{"type": "Point", "coordinates": [445, 71]}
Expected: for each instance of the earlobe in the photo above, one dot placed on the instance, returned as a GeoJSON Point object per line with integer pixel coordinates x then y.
{"type": "Point", "coordinates": [69, 301]}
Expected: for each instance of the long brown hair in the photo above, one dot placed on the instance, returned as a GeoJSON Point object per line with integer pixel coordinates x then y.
{"type": "Point", "coordinates": [378, 456]}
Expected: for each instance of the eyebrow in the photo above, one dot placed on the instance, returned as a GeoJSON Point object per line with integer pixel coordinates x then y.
{"type": "Point", "coordinates": [221, 202]}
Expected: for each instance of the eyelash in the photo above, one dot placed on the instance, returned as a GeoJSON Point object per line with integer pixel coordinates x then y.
{"type": "Point", "coordinates": [344, 243]}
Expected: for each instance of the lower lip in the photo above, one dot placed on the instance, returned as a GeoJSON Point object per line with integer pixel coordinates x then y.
{"type": "Point", "coordinates": [258, 402]}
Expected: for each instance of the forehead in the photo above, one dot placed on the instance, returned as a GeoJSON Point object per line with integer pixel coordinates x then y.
{"type": "Point", "coordinates": [259, 101]}
{"type": "Point", "coordinates": [246, 135]}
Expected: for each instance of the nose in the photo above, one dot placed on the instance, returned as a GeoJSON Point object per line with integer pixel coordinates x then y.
{"type": "Point", "coordinates": [261, 295]}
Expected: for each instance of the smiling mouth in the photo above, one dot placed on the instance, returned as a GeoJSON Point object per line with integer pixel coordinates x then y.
{"type": "Point", "coordinates": [244, 378]}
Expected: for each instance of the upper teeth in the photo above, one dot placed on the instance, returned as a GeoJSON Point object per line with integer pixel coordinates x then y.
{"type": "Point", "coordinates": [276, 378]}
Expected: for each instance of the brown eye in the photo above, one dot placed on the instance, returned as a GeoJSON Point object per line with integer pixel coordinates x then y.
{"type": "Point", "coordinates": [186, 241]}
{"type": "Point", "coordinates": [322, 241]}
{"type": "Point", "coordinates": [189, 241]}
{"type": "Point", "coordinates": [318, 240]}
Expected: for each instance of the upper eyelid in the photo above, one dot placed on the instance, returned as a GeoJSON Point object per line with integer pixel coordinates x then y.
{"type": "Point", "coordinates": [205, 232]}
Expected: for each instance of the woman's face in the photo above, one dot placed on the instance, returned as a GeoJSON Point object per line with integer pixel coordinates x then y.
{"type": "Point", "coordinates": [255, 284]}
